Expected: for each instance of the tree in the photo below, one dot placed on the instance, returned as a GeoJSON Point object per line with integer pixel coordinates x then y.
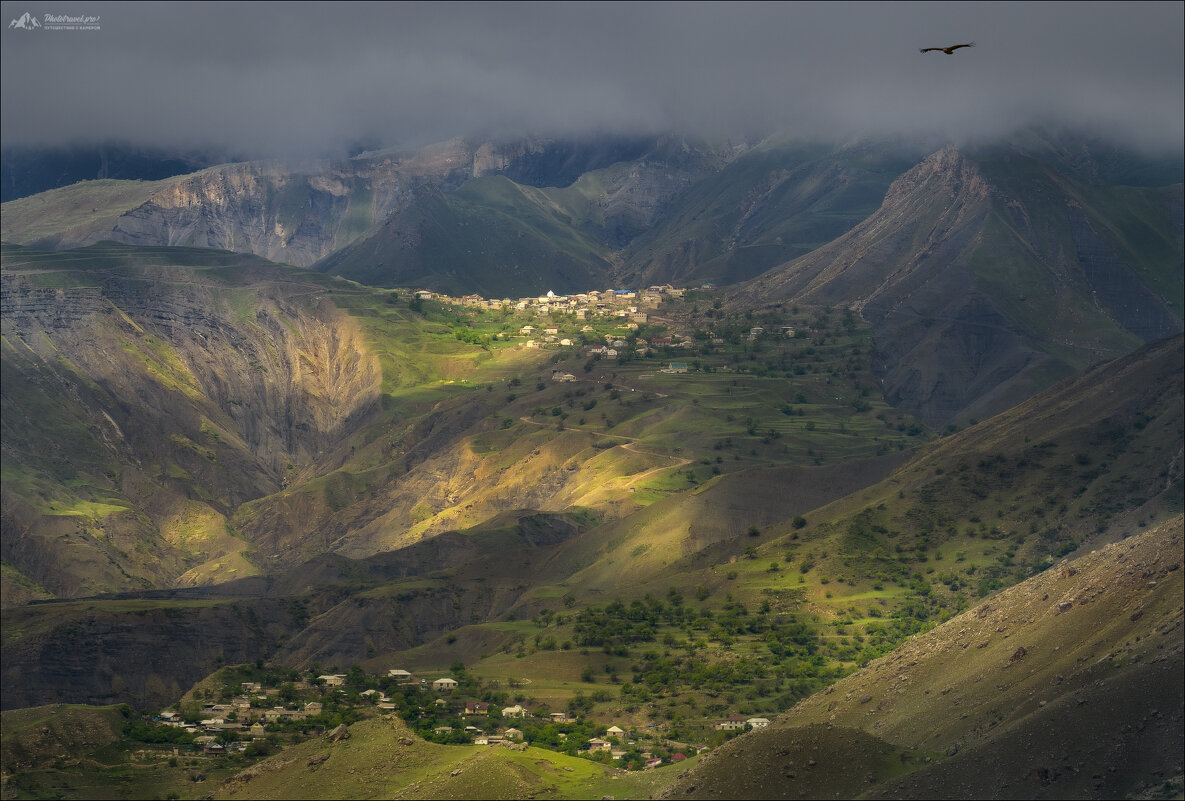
{"type": "Point", "coordinates": [356, 678]}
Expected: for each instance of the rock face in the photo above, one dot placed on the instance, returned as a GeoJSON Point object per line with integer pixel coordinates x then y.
{"type": "Point", "coordinates": [975, 306]}
{"type": "Point", "coordinates": [293, 216]}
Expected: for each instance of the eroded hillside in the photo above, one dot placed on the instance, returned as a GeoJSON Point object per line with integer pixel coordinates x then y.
{"type": "Point", "coordinates": [185, 392]}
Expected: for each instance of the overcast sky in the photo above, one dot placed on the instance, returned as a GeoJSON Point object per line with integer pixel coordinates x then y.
{"type": "Point", "coordinates": [275, 78]}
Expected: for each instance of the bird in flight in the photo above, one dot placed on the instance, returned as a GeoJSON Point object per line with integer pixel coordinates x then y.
{"type": "Point", "coordinates": [947, 50]}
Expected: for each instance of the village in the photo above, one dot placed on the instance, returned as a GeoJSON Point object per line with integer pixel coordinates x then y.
{"type": "Point", "coordinates": [579, 320]}
{"type": "Point", "coordinates": [254, 718]}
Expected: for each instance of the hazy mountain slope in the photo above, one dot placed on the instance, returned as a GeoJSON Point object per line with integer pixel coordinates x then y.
{"type": "Point", "coordinates": [986, 280]}
{"type": "Point", "coordinates": [1066, 685]}
{"type": "Point", "coordinates": [499, 237]}
{"type": "Point", "coordinates": [1091, 159]}
{"type": "Point", "coordinates": [299, 213]}
{"type": "Point", "coordinates": [616, 203]}
{"type": "Point", "coordinates": [491, 237]}
{"type": "Point", "coordinates": [768, 205]}
{"type": "Point", "coordinates": [82, 213]}
{"type": "Point", "coordinates": [291, 212]}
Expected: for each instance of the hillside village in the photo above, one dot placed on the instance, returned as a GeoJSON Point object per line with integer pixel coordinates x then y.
{"type": "Point", "coordinates": [626, 307]}
{"type": "Point", "coordinates": [253, 718]}
{"type": "Point", "coordinates": [566, 321]}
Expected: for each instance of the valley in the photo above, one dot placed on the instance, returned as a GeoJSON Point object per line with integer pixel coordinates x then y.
{"type": "Point", "coordinates": [800, 426]}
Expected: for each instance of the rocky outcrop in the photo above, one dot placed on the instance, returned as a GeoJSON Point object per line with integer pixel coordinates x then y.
{"type": "Point", "coordinates": [293, 216]}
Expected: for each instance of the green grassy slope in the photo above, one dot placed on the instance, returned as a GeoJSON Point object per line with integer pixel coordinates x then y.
{"type": "Point", "coordinates": [74, 214]}
{"type": "Point", "coordinates": [383, 759]}
{"type": "Point", "coordinates": [1062, 686]}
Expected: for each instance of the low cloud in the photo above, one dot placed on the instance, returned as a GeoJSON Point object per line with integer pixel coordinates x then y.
{"type": "Point", "coordinates": [276, 78]}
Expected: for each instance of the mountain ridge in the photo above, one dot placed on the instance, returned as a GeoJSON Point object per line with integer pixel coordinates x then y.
{"type": "Point", "coordinates": [943, 274]}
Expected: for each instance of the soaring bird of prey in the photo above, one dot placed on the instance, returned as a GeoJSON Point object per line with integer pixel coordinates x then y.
{"type": "Point", "coordinates": [947, 50]}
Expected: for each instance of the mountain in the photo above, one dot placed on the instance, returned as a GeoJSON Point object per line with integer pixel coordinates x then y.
{"type": "Point", "coordinates": [985, 276]}
{"type": "Point", "coordinates": [640, 210]}
{"type": "Point", "coordinates": [986, 272]}
{"type": "Point", "coordinates": [491, 237]}
{"type": "Point", "coordinates": [681, 212]}
{"type": "Point", "coordinates": [300, 212]}
{"type": "Point", "coordinates": [1064, 686]}
{"type": "Point", "coordinates": [26, 22]}
{"type": "Point", "coordinates": [498, 237]}
{"type": "Point", "coordinates": [770, 204]}
{"type": "Point", "coordinates": [212, 459]}
{"type": "Point", "coordinates": [296, 214]}
{"type": "Point", "coordinates": [1082, 464]}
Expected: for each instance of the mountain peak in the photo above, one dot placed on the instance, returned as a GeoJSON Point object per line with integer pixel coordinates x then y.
{"type": "Point", "coordinates": [947, 171]}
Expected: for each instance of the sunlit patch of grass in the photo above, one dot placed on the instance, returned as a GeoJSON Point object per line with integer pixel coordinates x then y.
{"type": "Point", "coordinates": [93, 510]}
